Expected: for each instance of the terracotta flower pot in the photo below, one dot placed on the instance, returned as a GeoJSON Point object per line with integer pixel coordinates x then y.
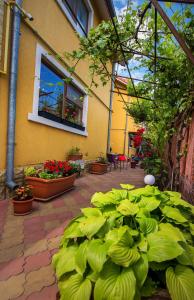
{"type": "Point", "coordinates": [45, 190]}
{"type": "Point", "coordinates": [75, 157]}
{"type": "Point", "coordinates": [22, 207]}
{"type": "Point", "coordinates": [98, 168]}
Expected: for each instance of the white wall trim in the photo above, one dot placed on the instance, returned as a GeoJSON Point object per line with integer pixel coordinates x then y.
{"type": "Point", "coordinates": [44, 121]}
{"type": "Point", "coordinates": [41, 52]}
{"type": "Point", "coordinates": [69, 17]}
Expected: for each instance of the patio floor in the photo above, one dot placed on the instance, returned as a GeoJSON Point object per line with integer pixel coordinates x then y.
{"type": "Point", "coordinates": [28, 243]}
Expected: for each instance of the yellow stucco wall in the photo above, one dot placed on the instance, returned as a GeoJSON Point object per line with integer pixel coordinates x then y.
{"type": "Point", "coordinates": [36, 142]}
{"type": "Point", "coordinates": [121, 124]}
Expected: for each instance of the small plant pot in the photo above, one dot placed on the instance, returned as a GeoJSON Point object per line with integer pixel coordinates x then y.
{"type": "Point", "coordinates": [23, 207]}
{"type": "Point", "coordinates": [133, 164]}
{"type": "Point", "coordinates": [98, 168]}
{"type": "Point", "coordinates": [75, 157]}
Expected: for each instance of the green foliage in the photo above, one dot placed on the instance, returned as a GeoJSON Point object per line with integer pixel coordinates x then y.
{"type": "Point", "coordinates": [126, 245]}
{"type": "Point", "coordinates": [74, 151]}
{"type": "Point", "coordinates": [30, 171]}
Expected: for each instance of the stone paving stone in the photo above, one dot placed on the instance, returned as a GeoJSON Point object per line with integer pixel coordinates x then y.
{"type": "Point", "coordinates": [38, 279]}
{"type": "Point", "coordinates": [37, 261]}
{"type": "Point", "coordinates": [48, 293]}
{"type": "Point", "coordinates": [11, 242]}
{"type": "Point", "coordinates": [35, 248]}
{"type": "Point", "coordinates": [11, 253]}
{"type": "Point", "coordinates": [34, 237]}
{"type": "Point", "coordinates": [11, 268]}
{"type": "Point", "coordinates": [12, 288]}
{"type": "Point", "coordinates": [54, 243]}
{"type": "Point", "coordinates": [51, 224]}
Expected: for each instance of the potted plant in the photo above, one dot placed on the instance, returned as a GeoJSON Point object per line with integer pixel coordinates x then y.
{"type": "Point", "coordinates": [131, 242]}
{"type": "Point", "coordinates": [54, 179]}
{"type": "Point", "coordinates": [74, 154]}
{"type": "Point", "coordinates": [99, 167]}
{"type": "Point", "coordinates": [22, 200]}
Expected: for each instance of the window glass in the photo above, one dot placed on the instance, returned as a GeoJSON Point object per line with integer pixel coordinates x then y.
{"type": "Point", "coordinates": [51, 91]}
{"type": "Point", "coordinates": [59, 101]}
{"type": "Point", "coordinates": [79, 13]}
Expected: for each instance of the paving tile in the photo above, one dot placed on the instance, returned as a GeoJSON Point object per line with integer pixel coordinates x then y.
{"type": "Point", "coordinates": [36, 280]}
{"type": "Point", "coordinates": [11, 268]}
{"type": "Point", "coordinates": [57, 231]}
{"type": "Point", "coordinates": [54, 242]}
{"type": "Point", "coordinates": [13, 287]}
{"type": "Point", "coordinates": [37, 261]}
{"type": "Point", "coordinates": [34, 248]}
{"type": "Point", "coordinates": [11, 242]}
{"type": "Point", "coordinates": [47, 293]}
{"type": "Point", "coordinates": [11, 253]}
{"type": "Point", "coordinates": [49, 225]}
{"type": "Point", "coordinates": [34, 237]}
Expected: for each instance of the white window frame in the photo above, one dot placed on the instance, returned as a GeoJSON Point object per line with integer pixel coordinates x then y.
{"type": "Point", "coordinates": [41, 53]}
{"type": "Point", "coordinates": [71, 20]}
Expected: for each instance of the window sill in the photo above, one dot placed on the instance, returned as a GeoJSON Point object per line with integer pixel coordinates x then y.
{"type": "Point", "coordinates": [54, 124]}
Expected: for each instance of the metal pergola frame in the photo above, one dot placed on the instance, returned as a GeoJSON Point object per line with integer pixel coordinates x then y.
{"type": "Point", "coordinates": [172, 30]}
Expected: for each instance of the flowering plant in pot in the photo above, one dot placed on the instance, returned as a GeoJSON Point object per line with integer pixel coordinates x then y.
{"type": "Point", "coordinates": [22, 200]}
{"type": "Point", "coordinates": [54, 179]}
{"type": "Point", "coordinates": [100, 166]}
{"type": "Point", "coordinates": [130, 245]}
{"type": "Point", "coordinates": [74, 154]}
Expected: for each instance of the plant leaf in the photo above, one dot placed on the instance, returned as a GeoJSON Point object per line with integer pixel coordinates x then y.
{"type": "Point", "coordinates": [73, 231]}
{"type": "Point", "coordinates": [180, 283]}
{"type": "Point", "coordinates": [162, 247]}
{"type": "Point", "coordinates": [173, 213]}
{"type": "Point", "coordinates": [64, 260]}
{"type": "Point", "coordinates": [127, 186]}
{"type": "Point", "coordinates": [96, 255]}
{"type": "Point", "coordinates": [91, 212]}
{"type": "Point", "coordinates": [141, 269]}
{"type": "Point", "coordinates": [150, 203]}
{"type": "Point", "coordinates": [127, 208]}
{"type": "Point", "coordinates": [101, 199]}
{"type": "Point", "coordinates": [81, 257]}
{"type": "Point", "coordinates": [115, 283]}
{"type": "Point", "coordinates": [148, 225]}
{"type": "Point", "coordinates": [172, 231]}
{"type": "Point", "coordinates": [91, 225]}
{"type": "Point", "coordinates": [187, 257]}
{"type": "Point", "coordinates": [121, 252]}
{"type": "Point", "coordinates": [76, 288]}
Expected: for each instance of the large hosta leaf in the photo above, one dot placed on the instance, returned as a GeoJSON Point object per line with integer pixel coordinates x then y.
{"type": "Point", "coordinates": [127, 186]}
{"type": "Point", "coordinates": [73, 231]}
{"type": "Point", "coordinates": [121, 252]}
{"type": "Point", "coordinates": [101, 199]}
{"type": "Point", "coordinates": [115, 283]}
{"type": "Point", "coordinates": [150, 203]}
{"type": "Point", "coordinates": [162, 247]}
{"type": "Point", "coordinates": [173, 213]}
{"type": "Point", "coordinates": [187, 257]}
{"type": "Point", "coordinates": [180, 283]}
{"type": "Point", "coordinates": [116, 235]}
{"type": "Point", "coordinates": [141, 269]}
{"type": "Point", "coordinates": [172, 231]}
{"type": "Point", "coordinates": [127, 208]}
{"type": "Point", "coordinates": [96, 255]}
{"type": "Point", "coordinates": [148, 225]}
{"type": "Point", "coordinates": [64, 260]}
{"type": "Point", "coordinates": [91, 212]}
{"type": "Point", "coordinates": [191, 228]}
{"type": "Point", "coordinates": [119, 194]}
{"type": "Point", "coordinates": [91, 225]}
{"type": "Point", "coordinates": [81, 257]}
{"type": "Point", "coordinates": [76, 288]}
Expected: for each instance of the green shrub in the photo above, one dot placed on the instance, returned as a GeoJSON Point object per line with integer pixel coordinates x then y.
{"type": "Point", "coordinates": [131, 243]}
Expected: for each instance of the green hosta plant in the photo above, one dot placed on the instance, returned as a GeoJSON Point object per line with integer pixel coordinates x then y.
{"type": "Point", "coordinates": [131, 243]}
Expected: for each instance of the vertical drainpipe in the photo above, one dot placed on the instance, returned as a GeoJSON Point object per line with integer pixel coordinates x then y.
{"type": "Point", "coordinates": [110, 108]}
{"type": "Point", "coordinates": [125, 134]}
{"type": "Point", "coordinates": [12, 96]}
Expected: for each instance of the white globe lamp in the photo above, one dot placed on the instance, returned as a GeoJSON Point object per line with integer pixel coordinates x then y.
{"type": "Point", "coordinates": [149, 179]}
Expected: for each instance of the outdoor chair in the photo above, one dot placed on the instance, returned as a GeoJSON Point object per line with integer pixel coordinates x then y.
{"type": "Point", "coordinates": [113, 160]}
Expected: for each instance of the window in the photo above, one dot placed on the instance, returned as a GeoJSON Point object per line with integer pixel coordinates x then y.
{"type": "Point", "coordinates": [59, 101]}
{"type": "Point", "coordinates": [79, 13]}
